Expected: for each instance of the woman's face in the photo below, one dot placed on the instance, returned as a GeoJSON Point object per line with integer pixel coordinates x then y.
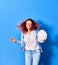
{"type": "Point", "coordinates": [28, 24]}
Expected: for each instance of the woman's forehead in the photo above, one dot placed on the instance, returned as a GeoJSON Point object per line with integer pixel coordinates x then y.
{"type": "Point", "coordinates": [29, 21]}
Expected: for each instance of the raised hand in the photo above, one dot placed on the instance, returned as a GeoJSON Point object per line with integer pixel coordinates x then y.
{"type": "Point", "coordinates": [13, 40]}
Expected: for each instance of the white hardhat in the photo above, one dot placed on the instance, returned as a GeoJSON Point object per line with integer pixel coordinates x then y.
{"type": "Point", "coordinates": [42, 36]}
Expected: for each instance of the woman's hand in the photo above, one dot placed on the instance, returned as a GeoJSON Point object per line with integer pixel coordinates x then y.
{"type": "Point", "coordinates": [13, 40]}
{"type": "Point", "coordinates": [43, 40]}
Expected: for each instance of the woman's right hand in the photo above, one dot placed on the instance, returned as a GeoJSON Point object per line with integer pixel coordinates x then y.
{"type": "Point", "coordinates": [13, 40]}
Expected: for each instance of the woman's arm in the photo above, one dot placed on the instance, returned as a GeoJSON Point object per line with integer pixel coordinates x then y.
{"type": "Point", "coordinates": [15, 41]}
{"type": "Point", "coordinates": [20, 42]}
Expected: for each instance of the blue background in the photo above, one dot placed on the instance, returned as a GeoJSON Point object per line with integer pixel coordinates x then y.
{"type": "Point", "coordinates": [12, 13]}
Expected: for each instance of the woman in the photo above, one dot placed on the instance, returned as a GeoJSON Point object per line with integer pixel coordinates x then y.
{"type": "Point", "coordinates": [29, 41]}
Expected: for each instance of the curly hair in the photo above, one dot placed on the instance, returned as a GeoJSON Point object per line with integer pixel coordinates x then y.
{"type": "Point", "coordinates": [22, 26]}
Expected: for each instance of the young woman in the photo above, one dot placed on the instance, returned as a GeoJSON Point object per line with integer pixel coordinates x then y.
{"type": "Point", "coordinates": [29, 41]}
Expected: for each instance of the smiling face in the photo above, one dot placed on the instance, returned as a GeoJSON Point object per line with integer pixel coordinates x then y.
{"type": "Point", "coordinates": [28, 24]}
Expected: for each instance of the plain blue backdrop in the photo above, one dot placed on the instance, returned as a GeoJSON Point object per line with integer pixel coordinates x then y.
{"type": "Point", "coordinates": [12, 13]}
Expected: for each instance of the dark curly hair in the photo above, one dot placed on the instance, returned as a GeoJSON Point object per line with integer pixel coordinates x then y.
{"type": "Point", "coordinates": [22, 26]}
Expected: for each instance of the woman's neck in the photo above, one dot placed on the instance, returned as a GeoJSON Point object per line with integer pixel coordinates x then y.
{"type": "Point", "coordinates": [29, 30]}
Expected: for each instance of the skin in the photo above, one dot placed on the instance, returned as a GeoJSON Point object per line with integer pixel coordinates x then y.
{"type": "Point", "coordinates": [28, 26]}
{"type": "Point", "coordinates": [13, 40]}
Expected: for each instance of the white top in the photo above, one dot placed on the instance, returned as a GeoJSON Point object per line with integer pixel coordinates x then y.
{"type": "Point", "coordinates": [30, 41]}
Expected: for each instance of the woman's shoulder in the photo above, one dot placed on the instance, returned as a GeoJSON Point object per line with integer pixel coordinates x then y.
{"type": "Point", "coordinates": [36, 31]}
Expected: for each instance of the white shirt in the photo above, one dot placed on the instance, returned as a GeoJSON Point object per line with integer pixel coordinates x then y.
{"type": "Point", "coordinates": [30, 41]}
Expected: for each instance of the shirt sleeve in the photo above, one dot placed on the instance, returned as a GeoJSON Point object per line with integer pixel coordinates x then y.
{"type": "Point", "coordinates": [19, 42]}
{"type": "Point", "coordinates": [22, 42]}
